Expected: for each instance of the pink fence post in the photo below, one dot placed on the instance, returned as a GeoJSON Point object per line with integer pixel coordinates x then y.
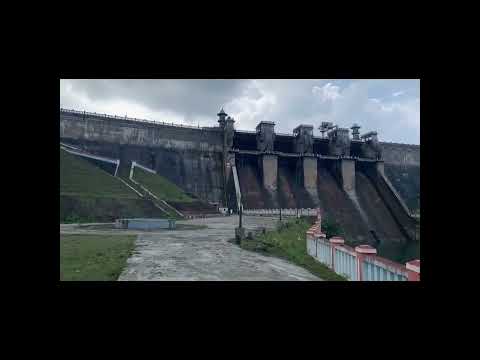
{"type": "Point", "coordinates": [319, 218]}
{"type": "Point", "coordinates": [413, 268]}
{"type": "Point", "coordinates": [362, 251]}
{"type": "Point", "coordinates": [318, 224]}
{"type": "Point", "coordinates": [319, 234]}
{"type": "Point", "coordinates": [310, 235]}
{"type": "Point", "coordinates": [334, 242]}
{"type": "Point", "coordinates": [319, 237]}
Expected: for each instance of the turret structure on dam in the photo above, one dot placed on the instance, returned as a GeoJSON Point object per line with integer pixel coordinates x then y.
{"type": "Point", "coordinates": [303, 139]}
{"type": "Point", "coordinates": [371, 146]}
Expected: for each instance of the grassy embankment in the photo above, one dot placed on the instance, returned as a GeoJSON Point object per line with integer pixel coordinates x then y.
{"type": "Point", "coordinates": [90, 194]}
{"type": "Point", "coordinates": [80, 178]}
{"type": "Point", "coordinates": [94, 257]}
{"type": "Point", "coordinates": [161, 187]}
{"type": "Point", "coordinates": [289, 242]}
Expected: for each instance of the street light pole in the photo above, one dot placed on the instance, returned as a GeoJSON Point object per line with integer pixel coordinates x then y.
{"type": "Point", "coordinates": [239, 231]}
{"type": "Point", "coordinates": [240, 216]}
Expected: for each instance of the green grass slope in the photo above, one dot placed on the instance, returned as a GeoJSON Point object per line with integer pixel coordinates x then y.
{"type": "Point", "coordinates": [80, 178]}
{"type": "Point", "coordinates": [81, 209]}
{"type": "Point", "coordinates": [289, 242]}
{"type": "Point", "coordinates": [89, 194]}
{"type": "Point", "coordinates": [160, 186]}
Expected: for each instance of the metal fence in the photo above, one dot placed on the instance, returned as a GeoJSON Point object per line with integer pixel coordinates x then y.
{"type": "Point", "coordinates": [254, 132]}
{"type": "Point", "coordinates": [107, 116]}
{"type": "Point", "coordinates": [285, 212]}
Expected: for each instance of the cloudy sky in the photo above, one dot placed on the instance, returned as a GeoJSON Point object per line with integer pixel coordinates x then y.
{"type": "Point", "coordinates": [391, 107]}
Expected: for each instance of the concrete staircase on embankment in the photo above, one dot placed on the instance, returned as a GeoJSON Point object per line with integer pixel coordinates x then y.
{"type": "Point", "coordinates": [167, 195]}
{"type": "Point", "coordinates": [124, 175]}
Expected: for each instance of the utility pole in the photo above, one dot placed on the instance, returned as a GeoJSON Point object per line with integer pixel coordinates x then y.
{"type": "Point", "coordinates": [240, 216]}
{"type": "Point", "coordinates": [240, 231]}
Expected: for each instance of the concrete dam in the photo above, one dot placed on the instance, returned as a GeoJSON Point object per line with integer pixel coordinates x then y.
{"type": "Point", "coordinates": [370, 187]}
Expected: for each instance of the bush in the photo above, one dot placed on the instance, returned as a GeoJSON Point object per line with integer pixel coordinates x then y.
{"type": "Point", "coordinates": [289, 242]}
{"type": "Point", "coordinates": [331, 228]}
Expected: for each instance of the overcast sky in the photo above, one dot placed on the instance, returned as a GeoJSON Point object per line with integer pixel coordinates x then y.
{"type": "Point", "coordinates": [391, 107]}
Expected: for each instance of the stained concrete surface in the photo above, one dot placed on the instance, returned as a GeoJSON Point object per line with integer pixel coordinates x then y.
{"type": "Point", "coordinates": [100, 229]}
{"type": "Point", "coordinates": [207, 254]}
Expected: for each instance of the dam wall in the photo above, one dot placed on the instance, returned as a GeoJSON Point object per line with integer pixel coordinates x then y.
{"type": "Point", "coordinates": [194, 158]}
{"type": "Point", "coordinates": [400, 154]}
{"type": "Point", "coordinates": [188, 156]}
{"type": "Point", "coordinates": [118, 130]}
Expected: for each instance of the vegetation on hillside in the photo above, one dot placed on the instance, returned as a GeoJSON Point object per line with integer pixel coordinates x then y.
{"type": "Point", "coordinates": [332, 228]}
{"type": "Point", "coordinates": [84, 209]}
{"type": "Point", "coordinates": [80, 178]}
{"type": "Point", "coordinates": [94, 257]}
{"type": "Point", "coordinates": [160, 186]}
{"type": "Point", "coordinates": [90, 194]}
{"type": "Point", "coordinates": [289, 242]}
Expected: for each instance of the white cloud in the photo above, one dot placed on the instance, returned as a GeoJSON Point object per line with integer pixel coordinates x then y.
{"type": "Point", "coordinates": [255, 104]}
{"type": "Point", "coordinates": [374, 104]}
{"type": "Point", "coordinates": [328, 92]}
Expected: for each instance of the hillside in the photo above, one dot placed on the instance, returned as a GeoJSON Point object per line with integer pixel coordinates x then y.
{"type": "Point", "coordinates": [89, 194]}
{"type": "Point", "coordinates": [175, 196]}
{"type": "Point", "coordinates": [78, 177]}
{"type": "Point", "coordinates": [160, 186]}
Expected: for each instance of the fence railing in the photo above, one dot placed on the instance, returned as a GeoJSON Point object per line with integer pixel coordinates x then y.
{"type": "Point", "coordinates": [135, 164]}
{"type": "Point", "coordinates": [79, 152]}
{"type": "Point", "coordinates": [99, 115]}
{"type": "Point", "coordinates": [357, 264]}
{"type": "Point", "coordinates": [285, 212]}
{"type": "Point", "coordinates": [345, 263]}
{"type": "Point", "coordinates": [254, 132]}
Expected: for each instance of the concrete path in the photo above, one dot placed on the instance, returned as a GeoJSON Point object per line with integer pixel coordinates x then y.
{"type": "Point", "coordinates": [205, 254]}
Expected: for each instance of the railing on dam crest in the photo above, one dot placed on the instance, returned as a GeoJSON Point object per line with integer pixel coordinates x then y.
{"type": "Point", "coordinates": [132, 119]}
